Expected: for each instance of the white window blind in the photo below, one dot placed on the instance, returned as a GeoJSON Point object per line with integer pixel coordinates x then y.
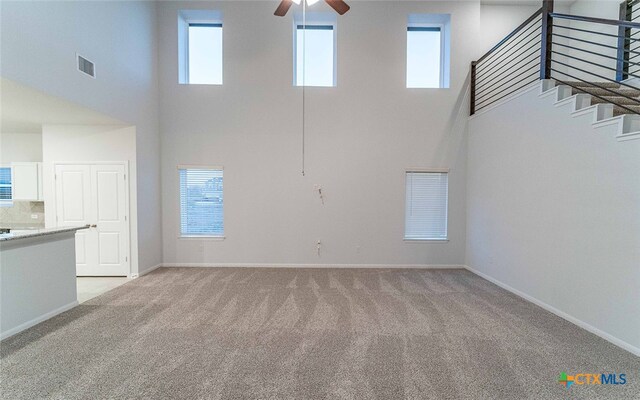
{"type": "Point", "coordinates": [5, 187]}
{"type": "Point", "coordinates": [201, 202]}
{"type": "Point", "coordinates": [426, 205]}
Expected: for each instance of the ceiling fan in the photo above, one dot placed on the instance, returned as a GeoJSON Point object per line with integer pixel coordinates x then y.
{"type": "Point", "coordinates": [339, 5]}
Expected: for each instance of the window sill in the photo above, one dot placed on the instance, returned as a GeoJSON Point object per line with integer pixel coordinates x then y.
{"type": "Point", "coordinates": [202, 237]}
{"type": "Point", "coordinates": [200, 84]}
{"type": "Point", "coordinates": [426, 240]}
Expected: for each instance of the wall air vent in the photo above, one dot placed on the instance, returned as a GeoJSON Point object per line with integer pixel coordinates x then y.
{"type": "Point", "coordinates": [86, 66]}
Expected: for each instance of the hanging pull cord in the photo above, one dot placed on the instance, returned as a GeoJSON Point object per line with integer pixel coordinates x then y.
{"type": "Point", "coordinates": [304, 78]}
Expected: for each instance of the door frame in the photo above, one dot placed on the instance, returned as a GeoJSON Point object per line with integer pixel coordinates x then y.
{"type": "Point", "coordinates": [125, 164]}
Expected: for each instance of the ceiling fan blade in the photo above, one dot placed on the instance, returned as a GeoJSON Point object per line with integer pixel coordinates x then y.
{"type": "Point", "coordinates": [282, 9]}
{"type": "Point", "coordinates": [339, 5]}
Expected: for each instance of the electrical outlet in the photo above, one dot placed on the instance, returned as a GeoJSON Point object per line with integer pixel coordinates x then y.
{"type": "Point", "coordinates": [34, 216]}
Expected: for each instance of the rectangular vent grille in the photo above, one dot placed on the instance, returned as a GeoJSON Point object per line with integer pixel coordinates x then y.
{"type": "Point", "coordinates": [86, 66]}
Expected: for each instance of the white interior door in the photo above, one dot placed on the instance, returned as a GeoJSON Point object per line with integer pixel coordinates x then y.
{"type": "Point", "coordinates": [73, 208]}
{"type": "Point", "coordinates": [103, 249]}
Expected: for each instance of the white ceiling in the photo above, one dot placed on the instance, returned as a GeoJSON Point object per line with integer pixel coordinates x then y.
{"type": "Point", "coordinates": [25, 110]}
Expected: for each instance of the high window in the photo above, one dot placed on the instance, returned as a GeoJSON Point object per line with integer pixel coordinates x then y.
{"type": "Point", "coordinates": [428, 51]}
{"type": "Point", "coordinates": [426, 205]}
{"type": "Point", "coordinates": [201, 202]}
{"type": "Point", "coordinates": [315, 61]}
{"type": "Point", "coordinates": [200, 47]}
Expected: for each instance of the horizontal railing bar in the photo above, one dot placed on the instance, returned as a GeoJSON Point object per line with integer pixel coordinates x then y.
{"type": "Point", "coordinates": [635, 56]}
{"type": "Point", "coordinates": [525, 34]}
{"type": "Point", "coordinates": [596, 75]}
{"type": "Point", "coordinates": [506, 55]}
{"type": "Point", "coordinates": [596, 54]}
{"type": "Point", "coordinates": [482, 96]}
{"type": "Point", "coordinates": [588, 31]}
{"type": "Point", "coordinates": [595, 43]}
{"type": "Point", "coordinates": [510, 35]}
{"type": "Point", "coordinates": [633, 3]}
{"type": "Point", "coordinates": [498, 77]}
{"type": "Point", "coordinates": [508, 94]}
{"type": "Point", "coordinates": [526, 58]}
{"type": "Point", "coordinates": [594, 20]}
{"type": "Point", "coordinates": [515, 83]}
{"type": "Point", "coordinates": [502, 82]}
{"type": "Point", "coordinates": [591, 94]}
{"type": "Point", "coordinates": [533, 46]}
{"type": "Point", "coordinates": [592, 63]}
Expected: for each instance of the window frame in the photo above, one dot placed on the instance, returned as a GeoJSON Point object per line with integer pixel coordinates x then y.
{"type": "Point", "coordinates": [446, 218]}
{"type": "Point", "coordinates": [320, 23]}
{"type": "Point", "coordinates": [423, 26]}
{"type": "Point", "coordinates": [7, 202]}
{"type": "Point", "coordinates": [188, 56]}
{"type": "Point", "coordinates": [427, 26]}
{"type": "Point", "coordinates": [179, 208]}
{"type": "Point", "coordinates": [187, 18]}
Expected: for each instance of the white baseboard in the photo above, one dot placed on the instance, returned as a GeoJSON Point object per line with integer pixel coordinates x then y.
{"type": "Point", "coordinates": [37, 320]}
{"type": "Point", "coordinates": [146, 271]}
{"type": "Point", "coordinates": [612, 339]}
{"type": "Point", "coordinates": [267, 265]}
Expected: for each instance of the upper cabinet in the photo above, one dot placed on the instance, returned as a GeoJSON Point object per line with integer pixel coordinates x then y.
{"type": "Point", "coordinates": [26, 180]}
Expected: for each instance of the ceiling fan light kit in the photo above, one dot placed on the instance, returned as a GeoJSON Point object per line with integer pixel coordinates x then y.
{"type": "Point", "coordinates": [338, 5]}
{"type": "Point", "coordinates": [309, 2]}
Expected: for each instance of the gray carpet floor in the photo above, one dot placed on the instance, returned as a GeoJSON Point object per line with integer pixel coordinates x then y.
{"type": "Point", "coordinates": [209, 333]}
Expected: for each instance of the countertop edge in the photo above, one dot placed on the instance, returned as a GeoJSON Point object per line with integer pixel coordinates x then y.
{"type": "Point", "coordinates": [42, 232]}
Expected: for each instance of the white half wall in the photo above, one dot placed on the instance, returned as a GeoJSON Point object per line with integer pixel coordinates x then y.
{"type": "Point", "coordinates": [552, 212]}
{"type": "Point", "coordinates": [87, 144]}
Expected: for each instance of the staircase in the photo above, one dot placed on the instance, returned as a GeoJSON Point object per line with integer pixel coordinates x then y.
{"type": "Point", "coordinates": [584, 98]}
{"type": "Point", "coordinates": [572, 56]}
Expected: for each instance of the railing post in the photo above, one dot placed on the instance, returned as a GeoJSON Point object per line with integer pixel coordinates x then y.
{"type": "Point", "coordinates": [473, 88]}
{"type": "Point", "coordinates": [546, 37]}
{"type": "Point", "coordinates": [622, 62]}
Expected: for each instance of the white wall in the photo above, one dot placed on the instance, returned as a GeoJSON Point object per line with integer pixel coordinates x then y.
{"type": "Point", "coordinates": [553, 212]}
{"type": "Point", "coordinates": [20, 147]}
{"type": "Point", "coordinates": [360, 136]}
{"type": "Point", "coordinates": [39, 41]}
{"type": "Point", "coordinates": [498, 20]}
{"type": "Point", "coordinates": [608, 9]}
{"type": "Point", "coordinates": [85, 143]}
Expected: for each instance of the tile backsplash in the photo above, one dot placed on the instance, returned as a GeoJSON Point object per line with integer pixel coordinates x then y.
{"type": "Point", "coordinates": [20, 213]}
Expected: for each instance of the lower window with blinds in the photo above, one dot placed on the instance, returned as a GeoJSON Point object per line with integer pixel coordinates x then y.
{"type": "Point", "coordinates": [201, 202]}
{"type": "Point", "coordinates": [426, 205]}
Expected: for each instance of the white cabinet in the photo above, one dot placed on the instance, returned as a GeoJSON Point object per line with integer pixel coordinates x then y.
{"type": "Point", "coordinates": [26, 181]}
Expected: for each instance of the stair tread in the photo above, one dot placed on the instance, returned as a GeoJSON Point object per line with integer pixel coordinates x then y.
{"type": "Point", "coordinates": [611, 85]}
{"type": "Point", "coordinates": [607, 93]}
{"type": "Point", "coordinates": [617, 110]}
{"type": "Point", "coordinates": [615, 100]}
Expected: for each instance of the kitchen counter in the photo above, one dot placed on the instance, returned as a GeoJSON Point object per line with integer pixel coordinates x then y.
{"type": "Point", "coordinates": [37, 276]}
{"type": "Point", "coordinates": [23, 233]}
